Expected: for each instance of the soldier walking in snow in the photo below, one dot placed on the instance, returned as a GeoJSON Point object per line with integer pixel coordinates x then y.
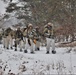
{"type": "Point", "coordinates": [37, 38]}
{"type": "Point", "coordinates": [8, 38]}
{"type": "Point", "coordinates": [49, 34]}
{"type": "Point", "coordinates": [18, 39]}
{"type": "Point", "coordinates": [30, 38]}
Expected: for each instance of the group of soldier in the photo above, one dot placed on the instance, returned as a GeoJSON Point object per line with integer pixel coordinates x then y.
{"type": "Point", "coordinates": [29, 37]}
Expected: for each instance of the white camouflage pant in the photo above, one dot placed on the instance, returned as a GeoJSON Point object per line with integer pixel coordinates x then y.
{"type": "Point", "coordinates": [27, 46]}
{"type": "Point", "coordinates": [8, 42]}
{"type": "Point", "coordinates": [4, 41]}
{"type": "Point", "coordinates": [37, 45]}
{"type": "Point", "coordinates": [19, 43]}
{"type": "Point", "coordinates": [50, 42]}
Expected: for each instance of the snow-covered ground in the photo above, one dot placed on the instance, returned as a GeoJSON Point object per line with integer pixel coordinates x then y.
{"type": "Point", "coordinates": [39, 63]}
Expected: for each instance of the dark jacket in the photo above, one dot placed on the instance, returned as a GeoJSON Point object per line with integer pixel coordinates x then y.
{"type": "Point", "coordinates": [19, 34]}
{"type": "Point", "coordinates": [7, 31]}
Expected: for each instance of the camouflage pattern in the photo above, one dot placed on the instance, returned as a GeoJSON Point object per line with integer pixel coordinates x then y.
{"type": "Point", "coordinates": [49, 33]}
{"type": "Point", "coordinates": [8, 38]}
{"type": "Point", "coordinates": [18, 39]}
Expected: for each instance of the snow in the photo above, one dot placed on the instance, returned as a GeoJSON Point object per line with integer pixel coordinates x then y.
{"type": "Point", "coordinates": [2, 7]}
{"type": "Point", "coordinates": [14, 1]}
{"type": "Point", "coordinates": [38, 63]}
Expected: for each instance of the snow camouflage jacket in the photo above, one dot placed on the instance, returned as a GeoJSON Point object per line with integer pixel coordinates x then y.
{"type": "Point", "coordinates": [7, 32]}
{"type": "Point", "coordinates": [19, 34]}
{"type": "Point", "coordinates": [25, 33]}
{"type": "Point", "coordinates": [37, 35]}
{"type": "Point", "coordinates": [31, 34]}
{"type": "Point", "coordinates": [48, 31]}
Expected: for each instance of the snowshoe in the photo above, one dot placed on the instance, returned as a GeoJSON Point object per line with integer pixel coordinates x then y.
{"type": "Point", "coordinates": [53, 52]}
{"type": "Point", "coordinates": [25, 51]}
{"type": "Point", "coordinates": [47, 52]}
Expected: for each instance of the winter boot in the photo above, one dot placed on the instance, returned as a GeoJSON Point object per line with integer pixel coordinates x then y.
{"type": "Point", "coordinates": [38, 48]}
{"type": "Point", "coordinates": [11, 48]}
{"type": "Point", "coordinates": [7, 48]}
{"type": "Point", "coordinates": [53, 52]}
{"type": "Point", "coordinates": [4, 47]}
{"type": "Point", "coordinates": [47, 52]}
{"type": "Point", "coordinates": [25, 51]}
{"type": "Point", "coordinates": [15, 49]}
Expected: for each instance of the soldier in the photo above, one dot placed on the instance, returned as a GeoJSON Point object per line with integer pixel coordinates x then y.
{"type": "Point", "coordinates": [9, 38]}
{"type": "Point", "coordinates": [30, 38]}
{"type": "Point", "coordinates": [48, 32]}
{"type": "Point", "coordinates": [37, 38]}
{"type": "Point", "coordinates": [18, 39]}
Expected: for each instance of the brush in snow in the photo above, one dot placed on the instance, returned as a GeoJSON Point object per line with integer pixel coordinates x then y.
{"type": "Point", "coordinates": [53, 52]}
{"type": "Point", "coordinates": [22, 68]}
{"type": "Point", "coordinates": [74, 50]}
{"type": "Point", "coordinates": [0, 60]}
{"type": "Point", "coordinates": [69, 50]}
{"type": "Point", "coordinates": [25, 51]}
{"type": "Point", "coordinates": [11, 74]}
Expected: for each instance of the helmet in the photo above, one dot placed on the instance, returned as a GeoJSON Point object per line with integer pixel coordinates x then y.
{"type": "Point", "coordinates": [50, 24]}
{"type": "Point", "coordinates": [8, 28]}
{"type": "Point", "coordinates": [30, 25]}
{"type": "Point", "coordinates": [36, 27]}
